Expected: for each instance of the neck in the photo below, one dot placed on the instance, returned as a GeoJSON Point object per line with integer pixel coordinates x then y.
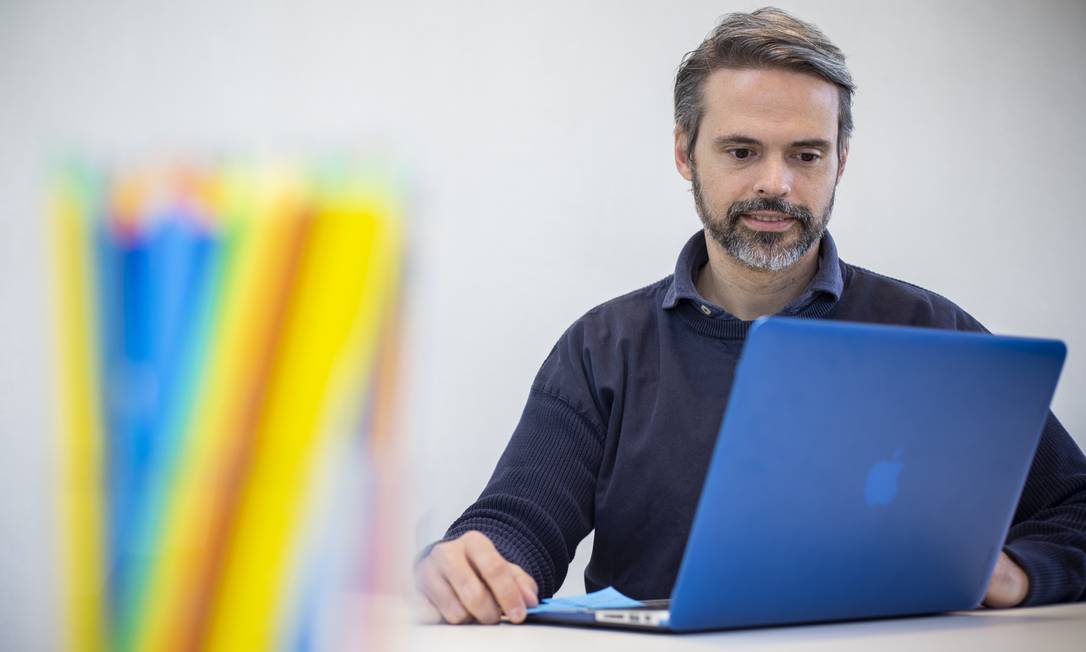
{"type": "Point", "coordinates": [751, 293]}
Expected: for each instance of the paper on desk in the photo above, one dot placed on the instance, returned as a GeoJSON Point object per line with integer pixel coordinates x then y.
{"type": "Point", "coordinates": [608, 598]}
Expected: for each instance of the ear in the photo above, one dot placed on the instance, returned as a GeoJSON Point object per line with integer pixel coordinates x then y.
{"type": "Point", "coordinates": [841, 160]}
{"type": "Point", "coordinates": [682, 161]}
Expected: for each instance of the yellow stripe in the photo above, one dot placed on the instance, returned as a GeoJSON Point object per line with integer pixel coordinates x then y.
{"type": "Point", "coordinates": [348, 393]}
{"type": "Point", "coordinates": [81, 508]}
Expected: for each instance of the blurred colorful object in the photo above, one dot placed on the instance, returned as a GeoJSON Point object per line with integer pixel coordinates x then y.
{"type": "Point", "coordinates": [227, 355]}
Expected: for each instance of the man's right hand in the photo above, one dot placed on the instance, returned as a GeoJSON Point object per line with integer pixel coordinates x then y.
{"type": "Point", "coordinates": [467, 580]}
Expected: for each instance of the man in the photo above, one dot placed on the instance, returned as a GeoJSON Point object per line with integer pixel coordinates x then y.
{"type": "Point", "coordinates": [622, 417]}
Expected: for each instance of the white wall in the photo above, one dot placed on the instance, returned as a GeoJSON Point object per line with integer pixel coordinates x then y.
{"type": "Point", "coordinates": [539, 139]}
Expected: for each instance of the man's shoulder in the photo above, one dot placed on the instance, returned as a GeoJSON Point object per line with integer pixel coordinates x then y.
{"type": "Point", "coordinates": [640, 302]}
{"type": "Point", "coordinates": [895, 287]}
{"type": "Point", "coordinates": [624, 316]}
{"type": "Point", "coordinates": [887, 299]}
{"type": "Point", "coordinates": [592, 352]}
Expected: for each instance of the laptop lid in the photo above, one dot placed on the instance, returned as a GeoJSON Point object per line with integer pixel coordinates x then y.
{"type": "Point", "coordinates": [862, 471]}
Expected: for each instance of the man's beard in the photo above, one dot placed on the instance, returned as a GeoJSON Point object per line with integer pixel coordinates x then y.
{"type": "Point", "coordinates": [762, 250]}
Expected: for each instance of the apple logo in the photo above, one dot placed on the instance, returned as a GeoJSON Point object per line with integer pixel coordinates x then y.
{"type": "Point", "coordinates": [881, 487]}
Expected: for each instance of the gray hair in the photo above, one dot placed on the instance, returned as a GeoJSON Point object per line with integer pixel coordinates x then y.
{"type": "Point", "coordinates": [766, 38]}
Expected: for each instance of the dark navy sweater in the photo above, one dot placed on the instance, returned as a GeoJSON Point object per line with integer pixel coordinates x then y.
{"type": "Point", "coordinates": [622, 418]}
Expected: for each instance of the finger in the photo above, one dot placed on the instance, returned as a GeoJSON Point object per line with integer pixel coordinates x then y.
{"type": "Point", "coordinates": [497, 573]}
{"type": "Point", "coordinates": [469, 589]}
{"type": "Point", "coordinates": [528, 588]}
{"type": "Point", "coordinates": [438, 592]}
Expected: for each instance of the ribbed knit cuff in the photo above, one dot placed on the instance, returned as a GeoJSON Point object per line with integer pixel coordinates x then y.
{"type": "Point", "coordinates": [1046, 567]}
{"type": "Point", "coordinates": [512, 545]}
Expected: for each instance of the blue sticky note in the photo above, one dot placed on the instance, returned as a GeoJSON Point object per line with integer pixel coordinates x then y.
{"type": "Point", "coordinates": [609, 598]}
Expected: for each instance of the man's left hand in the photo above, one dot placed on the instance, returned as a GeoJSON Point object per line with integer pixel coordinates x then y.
{"type": "Point", "coordinates": [1008, 586]}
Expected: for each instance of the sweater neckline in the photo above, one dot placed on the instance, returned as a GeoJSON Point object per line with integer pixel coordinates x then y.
{"type": "Point", "coordinates": [737, 329]}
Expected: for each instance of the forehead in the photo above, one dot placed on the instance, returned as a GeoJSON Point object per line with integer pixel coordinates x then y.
{"type": "Point", "coordinates": [769, 105]}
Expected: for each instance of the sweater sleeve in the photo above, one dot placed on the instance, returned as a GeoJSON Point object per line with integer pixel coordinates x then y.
{"type": "Point", "coordinates": [1048, 534]}
{"type": "Point", "coordinates": [540, 501]}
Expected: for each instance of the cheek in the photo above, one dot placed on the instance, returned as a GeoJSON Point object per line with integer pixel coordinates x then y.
{"type": "Point", "coordinates": [721, 186]}
{"type": "Point", "coordinates": [815, 192]}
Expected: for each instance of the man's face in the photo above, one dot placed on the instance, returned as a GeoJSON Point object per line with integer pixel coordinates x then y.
{"type": "Point", "coordinates": [765, 165]}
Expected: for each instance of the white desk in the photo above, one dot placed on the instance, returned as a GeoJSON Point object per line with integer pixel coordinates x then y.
{"type": "Point", "coordinates": [1043, 629]}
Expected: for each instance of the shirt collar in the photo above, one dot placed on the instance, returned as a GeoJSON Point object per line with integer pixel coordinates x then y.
{"type": "Point", "coordinates": [827, 280]}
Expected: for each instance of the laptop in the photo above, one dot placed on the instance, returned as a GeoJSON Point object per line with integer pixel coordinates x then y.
{"type": "Point", "coordinates": [861, 471]}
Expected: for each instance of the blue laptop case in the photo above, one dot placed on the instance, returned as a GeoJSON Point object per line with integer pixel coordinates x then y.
{"type": "Point", "coordinates": [862, 471]}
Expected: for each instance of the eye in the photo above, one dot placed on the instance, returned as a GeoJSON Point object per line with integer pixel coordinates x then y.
{"type": "Point", "coordinates": [741, 153]}
{"type": "Point", "coordinates": [810, 157]}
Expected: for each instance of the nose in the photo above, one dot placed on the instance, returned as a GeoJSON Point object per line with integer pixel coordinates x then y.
{"type": "Point", "coordinates": [774, 179]}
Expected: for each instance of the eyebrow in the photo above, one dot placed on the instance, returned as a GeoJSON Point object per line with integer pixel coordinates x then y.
{"type": "Point", "coordinates": [814, 143]}
{"type": "Point", "coordinates": [740, 139]}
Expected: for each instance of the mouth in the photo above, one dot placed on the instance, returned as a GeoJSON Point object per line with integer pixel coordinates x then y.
{"type": "Point", "coordinates": [767, 221]}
